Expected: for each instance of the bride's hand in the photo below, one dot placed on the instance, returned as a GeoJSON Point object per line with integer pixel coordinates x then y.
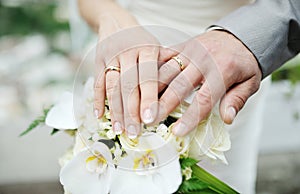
{"type": "Point", "coordinates": [127, 65]}
{"type": "Point", "coordinates": [127, 76]}
{"type": "Point", "coordinates": [219, 62]}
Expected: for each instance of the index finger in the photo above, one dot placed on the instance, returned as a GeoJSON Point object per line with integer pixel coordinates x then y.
{"type": "Point", "coordinates": [203, 102]}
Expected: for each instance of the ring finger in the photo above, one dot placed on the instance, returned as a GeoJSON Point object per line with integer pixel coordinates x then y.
{"type": "Point", "coordinates": [113, 93]}
{"type": "Point", "coordinates": [179, 88]}
{"type": "Point", "coordinates": [168, 71]}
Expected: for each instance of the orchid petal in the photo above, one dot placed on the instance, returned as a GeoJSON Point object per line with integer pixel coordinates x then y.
{"type": "Point", "coordinates": [88, 90]}
{"type": "Point", "coordinates": [61, 115]}
{"type": "Point", "coordinates": [135, 184]}
{"type": "Point", "coordinates": [211, 139]}
{"type": "Point", "coordinates": [78, 180]}
{"type": "Point", "coordinates": [168, 177]}
{"type": "Point", "coordinates": [162, 174]}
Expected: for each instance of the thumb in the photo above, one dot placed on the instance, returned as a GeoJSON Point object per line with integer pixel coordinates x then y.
{"type": "Point", "coordinates": [236, 97]}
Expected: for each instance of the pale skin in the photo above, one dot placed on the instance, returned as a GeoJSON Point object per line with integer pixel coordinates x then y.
{"type": "Point", "coordinates": [224, 67]}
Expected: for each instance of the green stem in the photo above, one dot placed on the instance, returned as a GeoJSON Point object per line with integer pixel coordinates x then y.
{"type": "Point", "coordinates": [215, 184]}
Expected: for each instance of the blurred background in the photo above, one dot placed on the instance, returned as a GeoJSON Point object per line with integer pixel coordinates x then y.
{"type": "Point", "coordinates": [37, 63]}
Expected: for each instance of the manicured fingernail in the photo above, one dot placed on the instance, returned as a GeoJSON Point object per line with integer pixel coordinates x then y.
{"type": "Point", "coordinates": [118, 128]}
{"type": "Point", "coordinates": [179, 129]}
{"type": "Point", "coordinates": [231, 112]}
{"type": "Point", "coordinates": [131, 132]}
{"type": "Point", "coordinates": [148, 116]}
{"type": "Point", "coordinates": [96, 112]}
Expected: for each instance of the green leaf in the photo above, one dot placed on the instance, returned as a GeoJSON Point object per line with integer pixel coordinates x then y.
{"type": "Point", "coordinates": [214, 183]}
{"type": "Point", "coordinates": [192, 185]}
{"type": "Point", "coordinates": [187, 162]}
{"type": "Point", "coordinates": [37, 122]}
{"type": "Point", "coordinates": [33, 124]}
{"type": "Point", "coordinates": [54, 131]}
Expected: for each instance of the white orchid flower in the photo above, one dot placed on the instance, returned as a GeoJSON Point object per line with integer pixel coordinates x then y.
{"type": "Point", "coordinates": [79, 113]}
{"type": "Point", "coordinates": [211, 139]}
{"type": "Point", "coordinates": [89, 172]}
{"type": "Point", "coordinates": [62, 115]}
{"type": "Point", "coordinates": [151, 166]}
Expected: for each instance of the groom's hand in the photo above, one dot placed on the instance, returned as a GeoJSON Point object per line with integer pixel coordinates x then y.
{"type": "Point", "coordinates": [219, 62]}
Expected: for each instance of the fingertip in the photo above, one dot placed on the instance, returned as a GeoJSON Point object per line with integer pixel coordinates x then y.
{"type": "Point", "coordinates": [229, 115]}
{"type": "Point", "coordinates": [147, 116]}
{"type": "Point", "coordinates": [180, 129]}
{"type": "Point", "coordinates": [117, 127]}
{"type": "Point", "coordinates": [98, 111]}
{"type": "Point", "coordinates": [149, 113]}
{"type": "Point", "coordinates": [99, 99]}
{"type": "Point", "coordinates": [132, 131]}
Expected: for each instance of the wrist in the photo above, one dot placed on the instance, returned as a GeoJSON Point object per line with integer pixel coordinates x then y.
{"type": "Point", "coordinates": [109, 23]}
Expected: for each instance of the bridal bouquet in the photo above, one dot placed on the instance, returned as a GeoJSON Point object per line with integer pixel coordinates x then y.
{"type": "Point", "coordinates": [156, 162]}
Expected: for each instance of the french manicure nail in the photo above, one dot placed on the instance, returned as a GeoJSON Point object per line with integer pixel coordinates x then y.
{"type": "Point", "coordinates": [148, 116]}
{"type": "Point", "coordinates": [179, 129]}
{"type": "Point", "coordinates": [231, 112]}
{"type": "Point", "coordinates": [131, 132]}
{"type": "Point", "coordinates": [96, 112]}
{"type": "Point", "coordinates": [118, 128]}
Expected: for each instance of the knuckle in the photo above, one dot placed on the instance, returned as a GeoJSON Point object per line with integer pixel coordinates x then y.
{"type": "Point", "coordinates": [111, 86]}
{"type": "Point", "coordinates": [165, 69]}
{"type": "Point", "coordinates": [116, 111]}
{"type": "Point", "coordinates": [179, 84]}
{"type": "Point", "coordinates": [98, 84]}
{"type": "Point", "coordinates": [128, 86]}
{"type": "Point", "coordinates": [170, 68]}
{"type": "Point", "coordinates": [98, 91]}
{"type": "Point", "coordinates": [165, 51]}
{"type": "Point", "coordinates": [149, 50]}
{"type": "Point", "coordinates": [239, 100]}
{"type": "Point", "coordinates": [204, 98]}
{"type": "Point", "coordinates": [127, 54]}
{"type": "Point", "coordinates": [255, 86]}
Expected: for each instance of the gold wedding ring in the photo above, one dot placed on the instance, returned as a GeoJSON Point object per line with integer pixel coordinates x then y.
{"type": "Point", "coordinates": [179, 61]}
{"type": "Point", "coordinates": [111, 68]}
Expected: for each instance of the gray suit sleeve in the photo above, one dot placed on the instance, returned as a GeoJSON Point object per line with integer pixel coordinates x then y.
{"type": "Point", "coordinates": [269, 28]}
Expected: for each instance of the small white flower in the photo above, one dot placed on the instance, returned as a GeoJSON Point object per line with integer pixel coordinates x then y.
{"type": "Point", "coordinates": [187, 173]}
{"type": "Point", "coordinates": [163, 131]}
{"type": "Point", "coordinates": [181, 144]}
{"type": "Point", "coordinates": [110, 134]}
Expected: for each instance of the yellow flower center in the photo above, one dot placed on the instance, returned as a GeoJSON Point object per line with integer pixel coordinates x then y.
{"type": "Point", "coordinates": [96, 163]}
{"type": "Point", "coordinates": [145, 161]}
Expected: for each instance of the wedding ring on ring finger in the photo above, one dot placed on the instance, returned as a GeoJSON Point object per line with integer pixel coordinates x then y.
{"type": "Point", "coordinates": [111, 68]}
{"type": "Point", "coordinates": [180, 63]}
